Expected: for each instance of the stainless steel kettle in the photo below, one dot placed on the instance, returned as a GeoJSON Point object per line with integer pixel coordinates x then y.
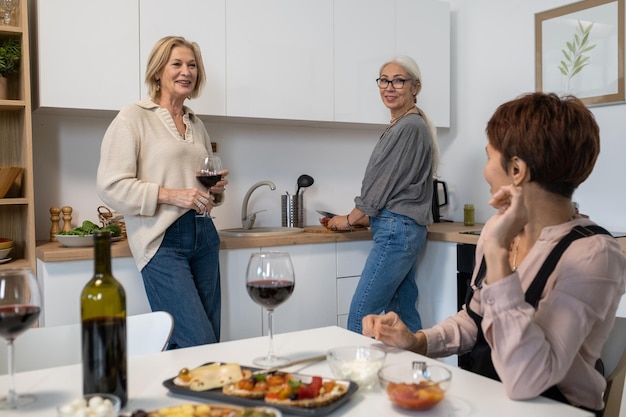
{"type": "Point", "coordinates": [440, 191]}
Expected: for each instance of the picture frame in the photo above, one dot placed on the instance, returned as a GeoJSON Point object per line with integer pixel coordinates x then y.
{"type": "Point", "coordinates": [579, 50]}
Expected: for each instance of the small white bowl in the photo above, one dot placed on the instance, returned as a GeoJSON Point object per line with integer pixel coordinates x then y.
{"type": "Point", "coordinates": [5, 252]}
{"type": "Point", "coordinates": [100, 405]}
{"type": "Point", "coordinates": [359, 364]}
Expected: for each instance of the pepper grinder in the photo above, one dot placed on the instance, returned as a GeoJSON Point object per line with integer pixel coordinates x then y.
{"type": "Point", "coordinates": [67, 218]}
{"type": "Point", "coordinates": [54, 218]}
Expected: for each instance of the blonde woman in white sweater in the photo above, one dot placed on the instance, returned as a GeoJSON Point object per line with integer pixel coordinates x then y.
{"type": "Point", "coordinates": [147, 173]}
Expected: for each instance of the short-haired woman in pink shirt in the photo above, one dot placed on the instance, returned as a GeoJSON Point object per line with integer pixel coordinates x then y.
{"type": "Point", "coordinates": [547, 281]}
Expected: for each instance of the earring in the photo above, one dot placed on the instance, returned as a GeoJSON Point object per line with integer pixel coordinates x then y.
{"type": "Point", "coordinates": [158, 85]}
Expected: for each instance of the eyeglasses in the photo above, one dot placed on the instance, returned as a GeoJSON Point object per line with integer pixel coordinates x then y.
{"type": "Point", "coordinates": [397, 83]}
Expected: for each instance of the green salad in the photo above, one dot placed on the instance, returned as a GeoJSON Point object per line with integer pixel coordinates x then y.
{"type": "Point", "coordinates": [88, 228]}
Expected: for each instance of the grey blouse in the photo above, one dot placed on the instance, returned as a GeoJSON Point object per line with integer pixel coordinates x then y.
{"type": "Point", "coordinates": [398, 176]}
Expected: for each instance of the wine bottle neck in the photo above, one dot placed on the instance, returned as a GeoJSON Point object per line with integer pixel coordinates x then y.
{"type": "Point", "coordinates": [102, 253]}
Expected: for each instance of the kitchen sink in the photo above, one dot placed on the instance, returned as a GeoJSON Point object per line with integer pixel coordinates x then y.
{"type": "Point", "coordinates": [260, 231]}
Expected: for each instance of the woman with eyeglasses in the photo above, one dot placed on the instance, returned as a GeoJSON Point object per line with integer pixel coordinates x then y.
{"type": "Point", "coordinates": [395, 200]}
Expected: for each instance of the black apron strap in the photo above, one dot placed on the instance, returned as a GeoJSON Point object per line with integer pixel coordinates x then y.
{"type": "Point", "coordinates": [534, 291]}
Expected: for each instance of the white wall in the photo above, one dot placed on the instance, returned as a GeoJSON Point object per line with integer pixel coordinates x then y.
{"type": "Point", "coordinates": [492, 61]}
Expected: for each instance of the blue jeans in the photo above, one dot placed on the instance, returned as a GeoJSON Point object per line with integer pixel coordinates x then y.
{"type": "Point", "coordinates": [183, 278]}
{"type": "Point", "coordinates": [388, 279]}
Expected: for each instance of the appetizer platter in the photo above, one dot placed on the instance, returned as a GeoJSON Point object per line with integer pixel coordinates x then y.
{"type": "Point", "coordinates": [207, 410]}
{"type": "Point", "coordinates": [304, 395]}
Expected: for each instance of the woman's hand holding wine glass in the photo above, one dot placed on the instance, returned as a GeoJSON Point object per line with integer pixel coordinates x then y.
{"type": "Point", "coordinates": [20, 304]}
{"type": "Point", "coordinates": [209, 172]}
{"type": "Point", "coordinates": [270, 280]}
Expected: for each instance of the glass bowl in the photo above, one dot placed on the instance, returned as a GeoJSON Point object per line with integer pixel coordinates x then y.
{"type": "Point", "coordinates": [415, 386]}
{"type": "Point", "coordinates": [359, 364]}
{"type": "Point", "coordinates": [100, 405]}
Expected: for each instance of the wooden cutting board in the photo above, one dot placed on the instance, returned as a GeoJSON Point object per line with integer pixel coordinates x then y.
{"type": "Point", "coordinates": [322, 229]}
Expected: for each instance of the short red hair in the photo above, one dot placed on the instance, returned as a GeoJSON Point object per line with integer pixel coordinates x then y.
{"type": "Point", "coordinates": [558, 138]}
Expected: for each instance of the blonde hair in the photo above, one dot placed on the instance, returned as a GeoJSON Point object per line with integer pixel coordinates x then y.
{"type": "Point", "coordinates": [159, 57]}
{"type": "Point", "coordinates": [411, 67]}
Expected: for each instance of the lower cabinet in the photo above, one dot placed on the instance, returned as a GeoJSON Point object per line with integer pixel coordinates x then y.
{"type": "Point", "coordinates": [326, 277]}
{"type": "Point", "coordinates": [311, 305]}
{"type": "Point", "coordinates": [62, 283]}
{"type": "Point", "coordinates": [351, 258]}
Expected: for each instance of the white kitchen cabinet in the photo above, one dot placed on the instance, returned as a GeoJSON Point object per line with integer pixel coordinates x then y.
{"type": "Point", "coordinates": [62, 284]}
{"type": "Point", "coordinates": [437, 285]}
{"type": "Point", "coordinates": [363, 43]}
{"type": "Point", "coordinates": [204, 23]}
{"type": "Point", "coordinates": [312, 303]}
{"type": "Point", "coordinates": [436, 282]}
{"type": "Point", "coordinates": [87, 53]}
{"type": "Point", "coordinates": [308, 306]}
{"type": "Point", "coordinates": [423, 32]}
{"type": "Point", "coordinates": [279, 59]}
{"type": "Point", "coordinates": [241, 317]}
{"type": "Point", "coordinates": [351, 257]}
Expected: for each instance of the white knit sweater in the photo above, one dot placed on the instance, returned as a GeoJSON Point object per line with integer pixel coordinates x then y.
{"type": "Point", "coordinates": [141, 151]}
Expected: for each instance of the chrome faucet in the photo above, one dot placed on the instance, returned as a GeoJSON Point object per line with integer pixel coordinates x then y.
{"type": "Point", "coordinates": [247, 220]}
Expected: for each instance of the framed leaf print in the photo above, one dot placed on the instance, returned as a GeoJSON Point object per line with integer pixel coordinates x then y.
{"type": "Point", "coordinates": [579, 50]}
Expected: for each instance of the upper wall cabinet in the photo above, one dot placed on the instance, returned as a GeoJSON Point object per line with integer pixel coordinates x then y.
{"type": "Point", "coordinates": [365, 39]}
{"type": "Point", "coordinates": [423, 32]}
{"type": "Point", "coordinates": [279, 56]}
{"type": "Point", "coordinates": [272, 59]}
{"type": "Point", "coordinates": [204, 22]}
{"type": "Point", "coordinates": [88, 53]}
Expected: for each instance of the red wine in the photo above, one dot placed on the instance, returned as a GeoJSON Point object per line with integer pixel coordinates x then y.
{"type": "Point", "coordinates": [209, 180]}
{"type": "Point", "coordinates": [15, 319]}
{"type": "Point", "coordinates": [104, 343]}
{"type": "Point", "coordinates": [270, 293]}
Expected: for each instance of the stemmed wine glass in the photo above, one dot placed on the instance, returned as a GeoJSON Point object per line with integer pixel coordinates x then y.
{"type": "Point", "coordinates": [270, 280]}
{"type": "Point", "coordinates": [20, 304]}
{"type": "Point", "coordinates": [209, 172]}
{"type": "Point", "coordinates": [8, 6]}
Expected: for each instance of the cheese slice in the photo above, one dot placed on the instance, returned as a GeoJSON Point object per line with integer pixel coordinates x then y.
{"type": "Point", "coordinates": [214, 376]}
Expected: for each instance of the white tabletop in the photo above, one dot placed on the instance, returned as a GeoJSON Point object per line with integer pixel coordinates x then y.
{"type": "Point", "coordinates": [469, 395]}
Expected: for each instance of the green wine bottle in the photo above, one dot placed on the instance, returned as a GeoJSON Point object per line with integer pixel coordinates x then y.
{"type": "Point", "coordinates": [103, 318]}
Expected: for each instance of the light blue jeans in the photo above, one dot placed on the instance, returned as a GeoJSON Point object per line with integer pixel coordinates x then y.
{"type": "Point", "coordinates": [183, 278]}
{"type": "Point", "coordinates": [388, 279]}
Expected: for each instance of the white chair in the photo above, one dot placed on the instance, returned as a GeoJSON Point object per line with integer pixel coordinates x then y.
{"type": "Point", "coordinates": [46, 347]}
{"type": "Point", "coordinates": [614, 360]}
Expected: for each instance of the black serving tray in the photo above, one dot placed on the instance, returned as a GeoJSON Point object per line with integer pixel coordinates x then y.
{"type": "Point", "coordinates": [217, 395]}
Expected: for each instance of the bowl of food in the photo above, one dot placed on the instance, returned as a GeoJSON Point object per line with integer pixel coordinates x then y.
{"type": "Point", "coordinates": [359, 364]}
{"type": "Point", "coordinates": [5, 243]}
{"type": "Point", "coordinates": [5, 252]}
{"type": "Point", "coordinates": [416, 385]}
{"type": "Point", "coordinates": [100, 405]}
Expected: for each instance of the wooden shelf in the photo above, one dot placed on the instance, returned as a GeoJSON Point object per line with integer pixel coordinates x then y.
{"type": "Point", "coordinates": [17, 214]}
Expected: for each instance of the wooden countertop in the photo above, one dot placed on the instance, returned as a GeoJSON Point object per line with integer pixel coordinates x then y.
{"type": "Point", "coordinates": [443, 232]}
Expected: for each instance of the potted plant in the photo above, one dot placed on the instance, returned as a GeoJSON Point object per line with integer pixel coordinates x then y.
{"type": "Point", "coordinates": [10, 54]}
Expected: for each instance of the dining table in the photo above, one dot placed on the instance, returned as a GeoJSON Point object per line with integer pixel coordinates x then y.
{"type": "Point", "coordinates": [469, 394]}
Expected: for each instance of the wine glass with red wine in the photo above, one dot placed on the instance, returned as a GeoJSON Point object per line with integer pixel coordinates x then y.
{"type": "Point", "coordinates": [209, 172]}
{"type": "Point", "coordinates": [20, 304]}
{"type": "Point", "coordinates": [270, 280]}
